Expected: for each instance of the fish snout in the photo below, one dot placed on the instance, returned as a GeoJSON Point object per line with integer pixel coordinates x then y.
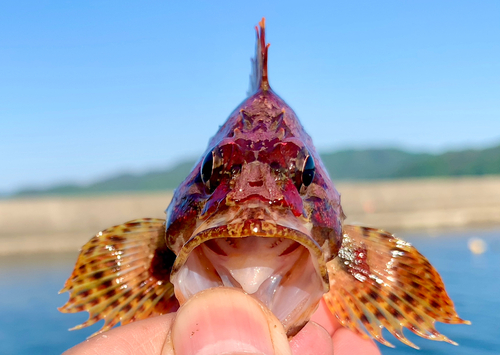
{"type": "Point", "coordinates": [255, 179]}
{"type": "Point", "coordinates": [258, 182]}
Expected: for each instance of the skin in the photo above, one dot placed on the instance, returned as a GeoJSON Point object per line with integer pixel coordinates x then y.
{"type": "Point", "coordinates": [235, 322]}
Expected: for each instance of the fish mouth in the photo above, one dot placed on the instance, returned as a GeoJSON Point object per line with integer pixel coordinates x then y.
{"type": "Point", "coordinates": [280, 265]}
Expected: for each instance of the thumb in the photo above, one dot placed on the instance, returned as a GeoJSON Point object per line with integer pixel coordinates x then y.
{"type": "Point", "coordinates": [225, 321]}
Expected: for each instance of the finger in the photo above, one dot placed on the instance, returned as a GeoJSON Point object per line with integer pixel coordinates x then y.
{"type": "Point", "coordinates": [313, 339]}
{"type": "Point", "coordinates": [226, 321]}
{"type": "Point", "coordinates": [347, 342]}
{"type": "Point", "coordinates": [344, 340]}
{"type": "Point", "coordinates": [325, 318]}
{"type": "Point", "coordinates": [145, 337]}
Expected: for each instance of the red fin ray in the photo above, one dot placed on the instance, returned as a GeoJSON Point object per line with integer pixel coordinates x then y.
{"type": "Point", "coordinates": [379, 281]}
{"type": "Point", "coordinates": [258, 77]}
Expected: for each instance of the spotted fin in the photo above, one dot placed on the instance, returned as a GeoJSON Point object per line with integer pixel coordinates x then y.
{"type": "Point", "coordinates": [380, 281]}
{"type": "Point", "coordinates": [122, 275]}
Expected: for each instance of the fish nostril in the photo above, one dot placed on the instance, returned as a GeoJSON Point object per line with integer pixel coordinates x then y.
{"type": "Point", "coordinates": [256, 183]}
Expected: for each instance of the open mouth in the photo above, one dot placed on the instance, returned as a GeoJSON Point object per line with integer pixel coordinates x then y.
{"type": "Point", "coordinates": [280, 266]}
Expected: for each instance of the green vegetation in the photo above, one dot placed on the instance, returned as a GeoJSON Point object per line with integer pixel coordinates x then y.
{"type": "Point", "coordinates": [460, 163]}
{"type": "Point", "coordinates": [159, 180]}
{"type": "Point", "coordinates": [369, 164]}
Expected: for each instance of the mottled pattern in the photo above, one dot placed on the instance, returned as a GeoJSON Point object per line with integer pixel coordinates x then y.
{"type": "Point", "coordinates": [122, 275]}
{"type": "Point", "coordinates": [380, 281]}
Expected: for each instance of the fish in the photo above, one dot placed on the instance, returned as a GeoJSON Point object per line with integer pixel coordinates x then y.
{"type": "Point", "coordinates": [259, 212]}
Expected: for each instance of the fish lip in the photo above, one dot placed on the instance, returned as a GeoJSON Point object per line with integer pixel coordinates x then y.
{"type": "Point", "coordinates": [254, 228]}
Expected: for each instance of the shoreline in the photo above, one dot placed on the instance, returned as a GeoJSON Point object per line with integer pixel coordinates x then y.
{"type": "Point", "coordinates": [64, 224]}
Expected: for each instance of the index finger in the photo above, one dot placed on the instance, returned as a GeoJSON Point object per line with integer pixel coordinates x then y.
{"type": "Point", "coordinates": [344, 341]}
{"type": "Point", "coordinates": [145, 337]}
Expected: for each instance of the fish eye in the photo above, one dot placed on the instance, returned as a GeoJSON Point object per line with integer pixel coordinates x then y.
{"type": "Point", "coordinates": [308, 171]}
{"type": "Point", "coordinates": [207, 168]}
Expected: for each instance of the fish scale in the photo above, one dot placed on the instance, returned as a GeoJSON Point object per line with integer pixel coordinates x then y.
{"type": "Point", "coordinates": [259, 211]}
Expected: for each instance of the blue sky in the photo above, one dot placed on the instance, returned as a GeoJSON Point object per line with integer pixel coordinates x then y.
{"type": "Point", "coordinates": [89, 89]}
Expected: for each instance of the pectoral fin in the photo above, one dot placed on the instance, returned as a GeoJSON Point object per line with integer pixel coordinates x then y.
{"type": "Point", "coordinates": [378, 280]}
{"type": "Point", "coordinates": [123, 275]}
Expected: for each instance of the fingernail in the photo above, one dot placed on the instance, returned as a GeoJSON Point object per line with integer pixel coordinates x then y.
{"type": "Point", "coordinates": [223, 321]}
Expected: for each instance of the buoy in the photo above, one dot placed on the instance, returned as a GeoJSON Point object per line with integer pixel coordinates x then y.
{"type": "Point", "coordinates": [477, 245]}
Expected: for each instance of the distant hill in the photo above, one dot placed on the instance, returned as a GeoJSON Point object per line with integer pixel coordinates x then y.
{"type": "Point", "coordinates": [167, 179]}
{"type": "Point", "coordinates": [459, 163]}
{"type": "Point", "coordinates": [368, 164]}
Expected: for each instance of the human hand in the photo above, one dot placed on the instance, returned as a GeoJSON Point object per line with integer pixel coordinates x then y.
{"type": "Point", "coordinates": [226, 321]}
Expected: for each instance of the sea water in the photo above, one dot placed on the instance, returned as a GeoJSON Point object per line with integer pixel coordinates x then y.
{"type": "Point", "coordinates": [31, 324]}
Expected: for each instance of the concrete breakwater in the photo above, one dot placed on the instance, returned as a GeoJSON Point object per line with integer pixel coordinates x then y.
{"type": "Point", "coordinates": [62, 224]}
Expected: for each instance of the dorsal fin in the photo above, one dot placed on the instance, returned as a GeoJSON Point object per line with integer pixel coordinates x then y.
{"type": "Point", "coordinates": [258, 77]}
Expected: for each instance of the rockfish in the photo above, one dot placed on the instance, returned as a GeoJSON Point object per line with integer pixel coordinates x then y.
{"type": "Point", "coordinates": [259, 212]}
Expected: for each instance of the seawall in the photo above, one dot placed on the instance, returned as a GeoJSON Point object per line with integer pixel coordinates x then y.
{"type": "Point", "coordinates": [62, 224]}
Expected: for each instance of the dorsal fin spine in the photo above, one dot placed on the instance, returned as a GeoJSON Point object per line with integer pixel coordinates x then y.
{"type": "Point", "coordinates": [258, 77]}
{"type": "Point", "coordinates": [264, 82]}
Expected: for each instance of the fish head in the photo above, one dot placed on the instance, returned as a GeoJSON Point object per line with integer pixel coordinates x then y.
{"type": "Point", "coordinates": [257, 212]}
